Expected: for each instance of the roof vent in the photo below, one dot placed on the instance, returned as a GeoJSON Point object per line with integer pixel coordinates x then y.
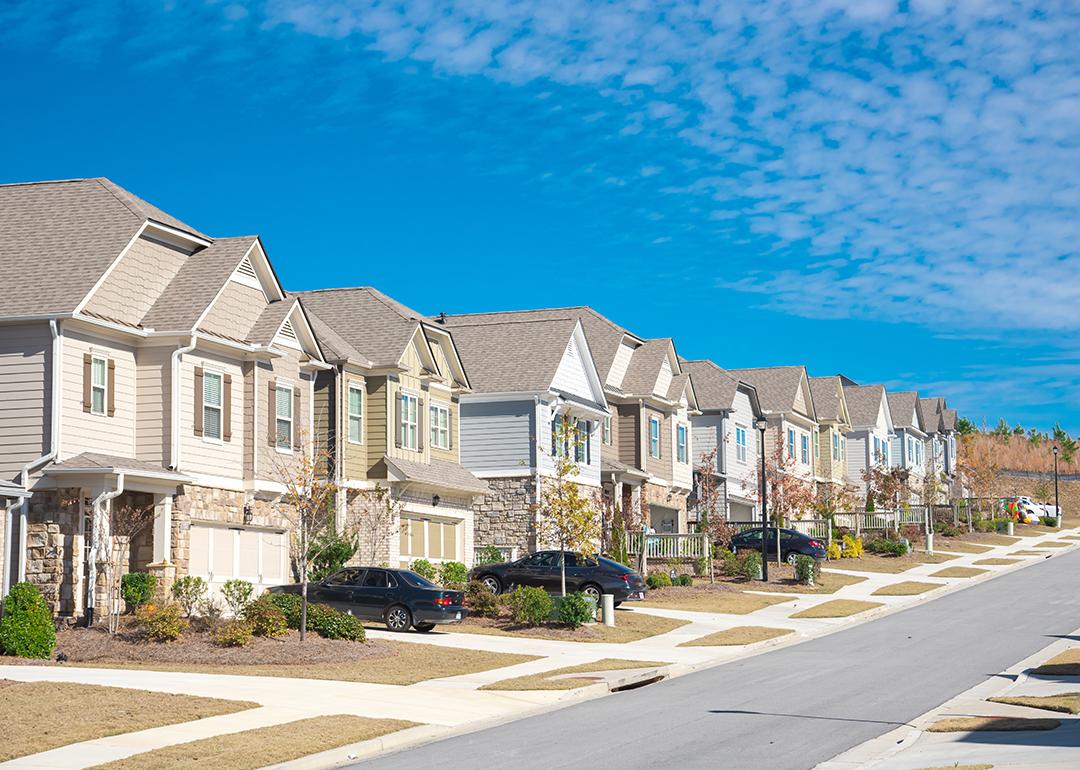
{"type": "Point", "coordinates": [246, 268]}
{"type": "Point", "coordinates": [287, 330]}
{"type": "Point", "coordinates": [245, 274]}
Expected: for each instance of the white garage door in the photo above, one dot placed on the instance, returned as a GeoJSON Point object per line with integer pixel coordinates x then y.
{"type": "Point", "coordinates": [220, 553]}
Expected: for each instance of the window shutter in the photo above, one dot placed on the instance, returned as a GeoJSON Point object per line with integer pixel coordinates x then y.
{"type": "Point", "coordinates": [87, 380]}
{"type": "Point", "coordinates": [450, 428]}
{"type": "Point", "coordinates": [271, 414]}
{"type": "Point", "coordinates": [419, 425]}
{"type": "Point", "coordinates": [397, 421]}
{"type": "Point", "coordinates": [112, 388]}
{"type": "Point", "coordinates": [296, 418]}
{"type": "Point", "coordinates": [198, 401]}
{"type": "Point", "coordinates": [226, 409]}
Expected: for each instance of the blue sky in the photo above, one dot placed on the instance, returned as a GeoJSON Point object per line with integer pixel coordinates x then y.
{"type": "Point", "coordinates": [887, 190]}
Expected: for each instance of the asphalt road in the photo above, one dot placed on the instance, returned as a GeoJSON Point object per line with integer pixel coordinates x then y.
{"type": "Point", "coordinates": [793, 707]}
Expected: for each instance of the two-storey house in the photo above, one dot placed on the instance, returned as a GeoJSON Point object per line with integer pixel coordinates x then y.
{"type": "Point", "coordinates": [724, 431]}
{"type": "Point", "coordinates": [908, 445]}
{"type": "Point", "coordinates": [939, 424]}
{"type": "Point", "coordinates": [834, 423]}
{"type": "Point", "coordinates": [528, 377]}
{"type": "Point", "coordinates": [788, 406]}
{"type": "Point", "coordinates": [151, 368]}
{"type": "Point", "coordinates": [388, 416]}
{"type": "Point", "coordinates": [868, 441]}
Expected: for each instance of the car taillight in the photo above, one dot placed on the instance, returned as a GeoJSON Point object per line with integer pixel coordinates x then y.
{"type": "Point", "coordinates": [626, 577]}
{"type": "Point", "coordinates": [444, 601]}
{"type": "Point", "coordinates": [816, 544]}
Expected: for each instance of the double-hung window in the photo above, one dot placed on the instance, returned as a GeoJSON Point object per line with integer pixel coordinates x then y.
{"type": "Point", "coordinates": [283, 403]}
{"type": "Point", "coordinates": [410, 421]}
{"type": "Point", "coordinates": [835, 446]}
{"type": "Point", "coordinates": [606, 436]}
{"type": "Point", "coordinates": [98, 384]}
{"type": "Point", "coordinates": [843, 448]}
{"type": "Point", "coordinates": [804, 441]}
{"type": "Point", "coordinates": [791, 443]}
{"type": "Point", "coordinates": [740, 443]}
{"type": "Point", "coordinates": [356, 414]}
{"type": "Point", "coordinates": [212, 405]}
{"type": "Point", "coordinates": [680, 443]}
{"type": "Point", "coordinates": [654, 437]}
{"type": "Point", "coordinates": [439, 419]}
{"type": "Point", "coordinates": [581, 441]}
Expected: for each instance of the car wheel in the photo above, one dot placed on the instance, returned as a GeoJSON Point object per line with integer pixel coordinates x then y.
{"type": "Point", "coordinates": [424, 627]}
{"type": "Point", "coordinates": [791, 558]}
{"type": "Point", "coordinates": [617, 603]}
{"type": "Point", "coordinates": [492, 584]}
{"type": "Point", "coordinates": [398, 618]}
{"type": "Point", "coordinates": [592, 591]}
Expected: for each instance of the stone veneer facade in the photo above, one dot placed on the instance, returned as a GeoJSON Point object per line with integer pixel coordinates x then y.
{"type": "Point", "coordinates": [506, 517]}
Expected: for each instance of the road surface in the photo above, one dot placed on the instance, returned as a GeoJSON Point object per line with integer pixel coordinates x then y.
{"type": "Point", "coordinates": [796, 706]}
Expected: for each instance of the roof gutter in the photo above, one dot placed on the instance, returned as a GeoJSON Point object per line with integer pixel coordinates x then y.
{"type": "Point", "coordinates": [174, 405]}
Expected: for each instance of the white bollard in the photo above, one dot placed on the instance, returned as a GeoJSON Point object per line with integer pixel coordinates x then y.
{"type": "Point", "coordinates": [1012, 527]}
{"type": "Point", "coordinates": [608, 603]}
{"type": "Point", "coordinates": [930, 542]}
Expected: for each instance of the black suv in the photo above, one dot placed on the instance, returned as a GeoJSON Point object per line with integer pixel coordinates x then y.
{"type": "Point", "coordinates": [792, 543]}
{"type": "Point", "coordinates": [591, 576]}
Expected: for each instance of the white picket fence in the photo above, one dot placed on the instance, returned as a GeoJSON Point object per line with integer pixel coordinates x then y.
{"type": "Point", "coordinates": [657, 545]}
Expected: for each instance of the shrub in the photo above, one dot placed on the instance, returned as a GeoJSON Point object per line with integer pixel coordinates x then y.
{"type": "Point", "coordinates": [138, 588]}
{"type": "Point", "coordinates": [852, 547]}
{"type": "Point", "coordinates": [289, 606]}
{"type": "Point", "coordinates": [317, 615]}
{"type": "Point", "coordinates": [887, 547]}
{"type": "Point", "coordinates": [1049, 521]}
{"type": "Point", "coordinates": [731, 565]}
{"type": "Point", "coordinates": [188, 592]}
{"type": "Point", "coordinates": [658, 580]}
{"type": "Point", "coordinates": [946, 530]}
{"type": "Point", "coordinates": [833, 551]}
{"type": "Point", "coordinates": [480, 601]}
{"type": "Point", "coordinates": [684, 580]}
{"type": "Point", "coordinates": [424, 569]}
{"type": "Point", "coordinates": [750, 566]}
{"type": "Point", "coordinates": [701, 566]}
{"type": "Point", "coordinates": [530, 606]}
{"type": "Point", "coordinates": [453, 575]}
{"type": "Point", "coordinates": [328, 553]}
{"type": "Point", "coordinates": [575, 610]}
{"type": "Point", "coordinates": [237, 594]}
{"type": "Point", "coordinates": [232, 633]}
{"type": "Point", "coordinates": [161, 622]}
{"type": "Point", "coordinates": [489, 554]}
{"type": "Point", "coordinates": [26, 629]}
{"type": "Point", "coordinates": [913, 532]}
{"type": "Point", "coordinates": [337, 625]}
{"type": "Point", "coordinates": [265, 618]}
{"type": "Point", "coordinates": [806, 569]}
{"type": "Point", "coordinates": [210, 610]}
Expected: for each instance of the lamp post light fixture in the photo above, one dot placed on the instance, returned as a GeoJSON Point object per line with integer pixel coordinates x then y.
{"type": "Point", "coordinates": [762, 425]}
{"type": "Point", "coordinates": [1057, 504]}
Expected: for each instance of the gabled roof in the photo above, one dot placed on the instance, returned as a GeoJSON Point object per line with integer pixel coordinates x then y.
{"type": "Point", "coordinates": [827, 392]}
{"type": "Point", "coordinates": [864, 403]}
{"type": "Point", "coordinates": [903, 408]}
{"type": "Point", "coordinates": [515, 356]}
{"type": "Point", "coordinates": [439, 474]}
{"type": "Point", "coordinates": [680, 384]}
{"type": "Point", "coordinates": [716, 387]}
{"type": "Point", "coordinates": [930, 414]}
{"type": "Point", "coordinates": [777, 386]}
{"type": "Point", "coordinates": [645, 365]}
{"type": "Point", "coordinates": [366, 323]}
{"type": "Point", "coordinates": [57, 239]}
{"type": "Point", "coordinates": [948, 419]}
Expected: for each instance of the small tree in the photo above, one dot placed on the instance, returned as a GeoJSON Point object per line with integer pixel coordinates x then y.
{"type": "Point", "coordinates": [126, 522]}
{"type": "Point", "coordinates": [566, 515]}
{"type": "Point", "coordinates": [709, 504]}
{"type": "Point", "coordinates": [376, 518]}
{"type": "Point", "coordinates": [309, 494]}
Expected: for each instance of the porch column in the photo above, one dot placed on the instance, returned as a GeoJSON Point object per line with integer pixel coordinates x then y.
{"type": "Point", "coordinates": [163, 567]}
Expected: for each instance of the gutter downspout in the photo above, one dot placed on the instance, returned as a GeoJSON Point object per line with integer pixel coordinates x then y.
{"type": "Point", "coordinates": [54, 446]}
{"type": "Point", "coordinates": [339, 459]}
{"type": "Point", "coordinates": [99, 541]}
{"type": "Point", "coordinates": [174, 403]}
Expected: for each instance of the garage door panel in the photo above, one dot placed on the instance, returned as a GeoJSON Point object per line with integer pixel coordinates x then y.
{"type": "Point", "coordinates": [222, 547]}
{"type": "Point", "coordinates": [199, 553]}
{"type": "Point", "coordinates": [248, 567]}
{"type": "Point", "coordinates": [273, 557]}
{"type": "Point", "coordinates": [220, 553]}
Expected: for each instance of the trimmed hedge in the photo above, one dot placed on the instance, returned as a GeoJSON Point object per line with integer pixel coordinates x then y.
{"type": "Point", "coordinates": [27, 629]}
{"type": "Point", "coordinates": [530, 605]}
{"type": "Point", "coordinates": [575, 610]}
{"type": "Point", "coordinates": [138, 588]}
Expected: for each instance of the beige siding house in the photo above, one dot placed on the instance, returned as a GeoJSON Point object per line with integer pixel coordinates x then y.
{"type": "Point", "coordinates": [830, 447]}
{"type": "Point", "coordinates": [388, 412]}
{"type": "Point", "coordinates": [167, 372]}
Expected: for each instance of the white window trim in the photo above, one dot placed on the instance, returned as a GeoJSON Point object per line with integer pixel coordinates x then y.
{"type": "Point", "coordinates": [220, 407]}
{"type": "Point", "coordinates": [605, 435]}
{"type": "Point", "coordinates": [582, 436]}
{"type": "Point", "coordinates": [654, 453]}
{"type": "Point", "coordinates": [283, 385]}
{"type": "Point", "coordinates": [415, 424]}
{"type": "Point", "coordinates": [433, 431]}
{"type": "Point", "coordinates": [682, 444]}
{"type": "Point", "coordinates": [791, 444]}
{"type": "Point", "coordinates": [94, 358]}
{"type": "Point", "coordinates": [741, 447]}
{"type": "Point", "coordinates": [804, 448]}
{"type": "Point", "coordinates": [349, 414]}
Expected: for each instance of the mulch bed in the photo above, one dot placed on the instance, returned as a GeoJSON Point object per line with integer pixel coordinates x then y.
{"type": "Point", "coordinates": [95, 645]}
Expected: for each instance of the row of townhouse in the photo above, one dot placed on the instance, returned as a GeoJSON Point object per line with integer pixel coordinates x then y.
{"type": "Point", "coordinates": [147, 365]}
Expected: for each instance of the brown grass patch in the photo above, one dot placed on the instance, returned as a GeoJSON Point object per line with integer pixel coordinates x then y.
{"type": "Point", "coordinates": [719, 598]}
{"type": "Point", "coordinates": [958, 572]}
{"type": "Point", "coordinates": [892, 564]}
{"type": "Point", "coordinates": [782, 580]}
{"type": "Point", "coordinates": [629, 627]}
{"type": "Point", "coordinates": [960, 546]}
{"type": "Point", "coordinates": [837, 608]}
{"type": "Point", "coordinates": [1056, 544]}
{"type": "Point", "coordinates": [907, 588]}
{"type": "Point", "coordinates": [991, 724]}
{"type": "Point", "coordinates": [252, 749]}
{"type": "Point", "coordinates": [543, 680]}
{"type": "Point", "coordinates": [959, 767]}
{"type": "Point", "coordinates": [740, 635]}
{"type": "Point", "coordinates": [988, 538]}
{"type": "Point", "coordinates": [1066, 702]}
{"type": "Point", "coordinates": [1034, 530]}
{"type": "Point", "coordinates": [1064, 664]}
{"type": "Point", "coordinates": [1029, 553]}
{"type": "Point", "coordinates": [996, 562]}
{"type": "Point", "coordinates": [38, 716]}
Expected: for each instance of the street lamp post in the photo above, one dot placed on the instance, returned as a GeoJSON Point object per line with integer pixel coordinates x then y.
{"type": "Point", "coordinates": [1057, 504]}
{"type": "Point", "coordinates": [762, 425]}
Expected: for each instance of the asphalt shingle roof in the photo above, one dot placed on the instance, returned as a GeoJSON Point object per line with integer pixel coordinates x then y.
{"type": "Point", "coordinates": [930, 410]}
{"type": "Point", "coordinates": [902, 407]}
{"type": "Point", "coordinates": [438, 473]}
{"type": "Point", "coordinates": [826, 393]}
{"type": "Point", "coordinates": [376, 327]}
{"type": "Point", "coordinates": [715, 387]}
{"type": "Point", "coordinates": [863, 403]}
{"type": "Point", "coordinates": [644, 367]}
{"type": "Point", "coordinates": [777, 386]}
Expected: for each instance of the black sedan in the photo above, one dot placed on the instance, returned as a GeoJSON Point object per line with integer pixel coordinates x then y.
{"type": "Point", "coordinates": [791, 542]}
{"type": "Point", "coordinates": [398, 597]}
{"type": "Point", "coordinates": [591, 576]}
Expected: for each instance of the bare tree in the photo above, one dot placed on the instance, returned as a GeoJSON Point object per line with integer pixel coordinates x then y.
{"type": "Point", "coordinates": [377, 517]}
{"type": "Point", "coordinates": [126, 522]}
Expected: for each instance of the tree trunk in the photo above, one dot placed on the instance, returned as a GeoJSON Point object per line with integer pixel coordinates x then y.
{"type": "Point", "coordinates": [303, 610]}
{"type": "Point", "coordinates": [562, 564]}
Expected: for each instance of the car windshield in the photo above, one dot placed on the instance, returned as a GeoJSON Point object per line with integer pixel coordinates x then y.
{"type": "Point", "coordinates": [415, 580]}
{"type": "Point", "coordinates": [613, 564]}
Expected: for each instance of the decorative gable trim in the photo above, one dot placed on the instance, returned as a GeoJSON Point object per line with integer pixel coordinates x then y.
{"type": "Point", "coordinates": [245, 274]}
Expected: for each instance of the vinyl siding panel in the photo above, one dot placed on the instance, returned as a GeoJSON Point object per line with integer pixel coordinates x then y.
{"type": "Point", "coordinates": [324, 430]}
{"type": "Point", "coordinates": [380, 415]}
{"type": "Point", "coordinates": [663, 380]}
{"type": "Point", "coordinates": [658, 467]}
{"type": "Point", "coordinates": [741, 478]}
{"type": "Point", "coordinates": [137, 281]}
{"type": "Point", "coordinates": [628, 437]}
{"type": "Point", "coordinates": [857, 458]}
{"type": "Point", "coordinates": [286, 368]}
{"type": "Point", "coordinates": [204, 455]}
{"type": "Point", "coordinates": [356, 458]}
{"type": "Point", "coordinates": [153, 394]}
{"type": "Point", "coordinates": [25, 395]}
{"type": "Point", "coordinates": [409, 382]}
{"type": "Point", "coordinates": [682, 473]}
{"type": "Point", "coordinates": [707, 430]}
{"type": "Point", "coordinates": [440, 398]}
{"type": "Point", "coordinates": [86, 432]}
{"type": "Point", "coordinates": [620, 365]}
{"type": "Point", "coordinates": [250, 417]}
{"type": "Point", "coordinates": [570, 377]}
{"type": "Point", "coordinates": [496, 435]}
{"type": "Point", "coordinates": [235, 311]}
